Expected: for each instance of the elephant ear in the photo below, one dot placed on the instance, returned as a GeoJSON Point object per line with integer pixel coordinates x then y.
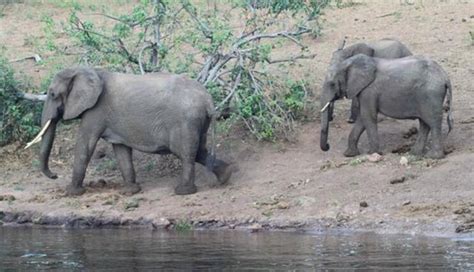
{"type": "Point", "coordinates": [360, 73]}
{"type": "Point", "coordinates": [359, 48]}
{"type": "Point", "coordinates": [85, 88]}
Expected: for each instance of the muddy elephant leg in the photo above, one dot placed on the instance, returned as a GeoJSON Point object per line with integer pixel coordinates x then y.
{"type": "Point", "coordinates": [436, 151]}
{"type": "Point", "coordinates": [354, 110]}
{"type": "Point", "coordinates": [220, 168]}
{"type": "Point", "coordinates": [83, 151]}
{"type": "Point", "coordinates": [186, 184]}
{"type": "Point", "coordinates": [124, 158]}
{"type": "Point", "coordinates": [420, 143]}
{"type": "Point", "coordinates": [186, 147]}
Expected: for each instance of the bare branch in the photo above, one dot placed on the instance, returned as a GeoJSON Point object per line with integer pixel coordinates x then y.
{"type": "Point", "coordinates": [292, 59]}
{"type": "Point", "coordinates": [229, 96]}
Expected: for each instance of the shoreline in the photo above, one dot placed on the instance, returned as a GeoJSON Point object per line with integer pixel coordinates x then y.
{"type": "Point", "coordinates": [440, 229]}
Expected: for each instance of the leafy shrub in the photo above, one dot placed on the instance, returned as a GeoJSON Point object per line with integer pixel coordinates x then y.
{"type": "Point", "coordinates": [19, 118]}
{"type": "Point", "coordinates": [189, 37]}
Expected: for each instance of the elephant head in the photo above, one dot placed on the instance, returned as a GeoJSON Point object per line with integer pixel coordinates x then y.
{"type": "Point", "coordinates": [71, 93]}
{"type": "Point", "coordinates": [345, 79]}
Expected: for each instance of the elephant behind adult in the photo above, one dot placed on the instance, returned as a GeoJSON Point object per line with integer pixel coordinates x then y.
{"type": "Point", "coordinates": [386, 48]}
{"type": "Point", "coordinates": [154, 113]}
{"type": "Point", "coordinates": [413, 87]}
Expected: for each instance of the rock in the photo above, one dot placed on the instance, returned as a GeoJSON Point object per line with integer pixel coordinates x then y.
{"type": "Point", "coordinates": [462, 210]}
{"type": "Point", "coordinates": [463, 20]}
{"type": "Point", "coordinates": [374, 157]}
{"type": "Point", "coordinates": [406, 203]}
{"type": "Point", "coordinates": [282, 205]}
{"type": "Point", "coordinates": [132, 204]}
{"type": "Point", "coordinates": [255, 227]}
{"type": "Point", "coordinates": [403, 161]}
{"type": "Point", "coordinates": [7, 198]}
{"type": "Point", "coordinates": [398, 180]}
{"type": "Point", "coordinates": [364, 204]}
{"type": "Point", "coordinates": [465, 228]}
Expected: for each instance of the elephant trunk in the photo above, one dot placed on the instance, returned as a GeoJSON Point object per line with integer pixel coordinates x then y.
{"type": "Point", "coordinates": [325, 129]}
{"type": "Point", "coordinates": [45, 150]}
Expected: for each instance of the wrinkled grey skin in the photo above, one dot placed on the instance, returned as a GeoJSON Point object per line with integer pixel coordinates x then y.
{"type": "Point", "coordinates": [154, 113]}
{"type": "Point", "coordinates": [407, 88]}
{"type": "Point", "coordinates": [385, 48]}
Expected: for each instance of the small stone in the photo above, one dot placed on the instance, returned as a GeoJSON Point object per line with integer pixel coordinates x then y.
{"type": "Point", "coordinates": [364, 204]}
{"type": "Point", "coordinates": [255, 227]}
{"type": "Point", "coordinates": [7, 198]}
{"type": "Point", "coordinates": [463, 210]}
{"type": "Point", "coordinates": [132, 204]}
{"type": "Point", "coordinates": [403, 161]}
{"type": "Point", "coordinates": [398, 180]}
{"type": "Point", "coordinates": [374, 157]}
{"type": "Point", "coordinates": [406, 203]}
{"type": "Point", "coordinates": [282, 205]}
{"type": "Point", "coordinates": [463, 20]}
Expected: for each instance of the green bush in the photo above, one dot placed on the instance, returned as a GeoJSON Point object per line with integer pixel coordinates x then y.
{"type": "Point", "coordinates": [19, 118]}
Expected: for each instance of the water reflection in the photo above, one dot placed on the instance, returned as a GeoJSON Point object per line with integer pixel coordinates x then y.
{"type": "Point", "coordinates": [134, 250]}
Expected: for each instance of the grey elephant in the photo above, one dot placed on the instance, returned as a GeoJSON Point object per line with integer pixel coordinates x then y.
{"type": "Point", "coordinates": [413, 87]}
{"type": "Point", "coordinates": [386, 48]}
{"type": "Point", "coordinates": [155, 113]}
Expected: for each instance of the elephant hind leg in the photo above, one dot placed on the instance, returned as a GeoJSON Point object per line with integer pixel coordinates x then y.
{"type": "Point", "coordinates": [436, 150]}
{"type": "Point", "coordinates": [124, 158]}
{"type": "Point", "coordinates": [221, 169]}
{"type": "Point", "coordinates": [186, 146]}
{"type": "Point", "coordinates": [419, 146]}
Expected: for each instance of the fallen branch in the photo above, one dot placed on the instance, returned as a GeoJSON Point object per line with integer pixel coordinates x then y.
{"type": "Point", "coordinates": [292, 59]}
{"type": "Point", "coordinates": [35, 57]}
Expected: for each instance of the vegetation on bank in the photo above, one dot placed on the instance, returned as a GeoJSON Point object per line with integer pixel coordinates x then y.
{"type": "Point", "coordinates": [241, 50]}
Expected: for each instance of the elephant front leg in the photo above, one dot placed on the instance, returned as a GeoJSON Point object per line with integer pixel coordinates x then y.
{"type": "Point", "coordinates": [356, 131]}
{"type": "Point", "coordinates": [354, 110]}
{"type": "Point", "coordinates": [186, 185]}
{"type": "Point", "coordinates": [124, 158]}
{"type": "Point", "coordinates": [83, 151]}
{"type": "Point", "coordinates": [368, 115]}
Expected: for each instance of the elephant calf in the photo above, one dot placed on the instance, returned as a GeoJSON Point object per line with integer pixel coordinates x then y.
{"type": "Point", "coordinates": [385, 48]}
{"type": "Point", "coordinates": [407, 88]}
{"type": "Point", "coordinates": [155, 113]}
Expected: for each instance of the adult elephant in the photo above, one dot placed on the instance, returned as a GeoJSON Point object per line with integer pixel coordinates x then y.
{"type": "Point", "coordinates": [155, 113]}
{"type": "Point", "coordinates": [407, 88]}
{"type": "Point", "coordinates": [386, 48]}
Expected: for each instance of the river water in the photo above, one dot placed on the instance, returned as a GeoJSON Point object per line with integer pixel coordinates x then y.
{"type": "Point", "coordinates": [28, 249]}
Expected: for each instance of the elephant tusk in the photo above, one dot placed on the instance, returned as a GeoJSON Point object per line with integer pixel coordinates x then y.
{"type": "Point", "coordinates": [325, 106]}
{"type": "Point", "coordinates": [39, 136]}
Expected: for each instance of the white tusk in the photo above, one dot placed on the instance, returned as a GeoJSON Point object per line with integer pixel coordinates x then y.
{"type": "Point", "coordinates": [39, 136]}
{"type": "Point", "coordinates": [325, 106]}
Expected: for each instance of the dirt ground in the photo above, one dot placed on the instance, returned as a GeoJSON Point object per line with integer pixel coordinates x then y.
{"type": "Point", "coordinates": [285, 185]}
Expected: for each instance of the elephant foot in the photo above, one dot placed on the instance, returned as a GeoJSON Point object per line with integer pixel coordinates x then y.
{"type": "Point", "coordinates": [417, 152]}
{"type": "Point", "coordinates": [351, 152]}
{"type": "Point", "coordinates": [72, 190]}
{"type": "Point", "coordinates": [223, 173]}
{"type": "Point", "coordinates": [185, 189]}
{"type": "Point", "coordinates": [435, 154]}
{"type": "Point", "coordinates": [130, 189]}
{"type": "Point", "coordinates": [49, 174]}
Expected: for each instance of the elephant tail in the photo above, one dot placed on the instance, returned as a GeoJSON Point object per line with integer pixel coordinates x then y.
{"type": "Point", "coordinates": [448, 107]}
